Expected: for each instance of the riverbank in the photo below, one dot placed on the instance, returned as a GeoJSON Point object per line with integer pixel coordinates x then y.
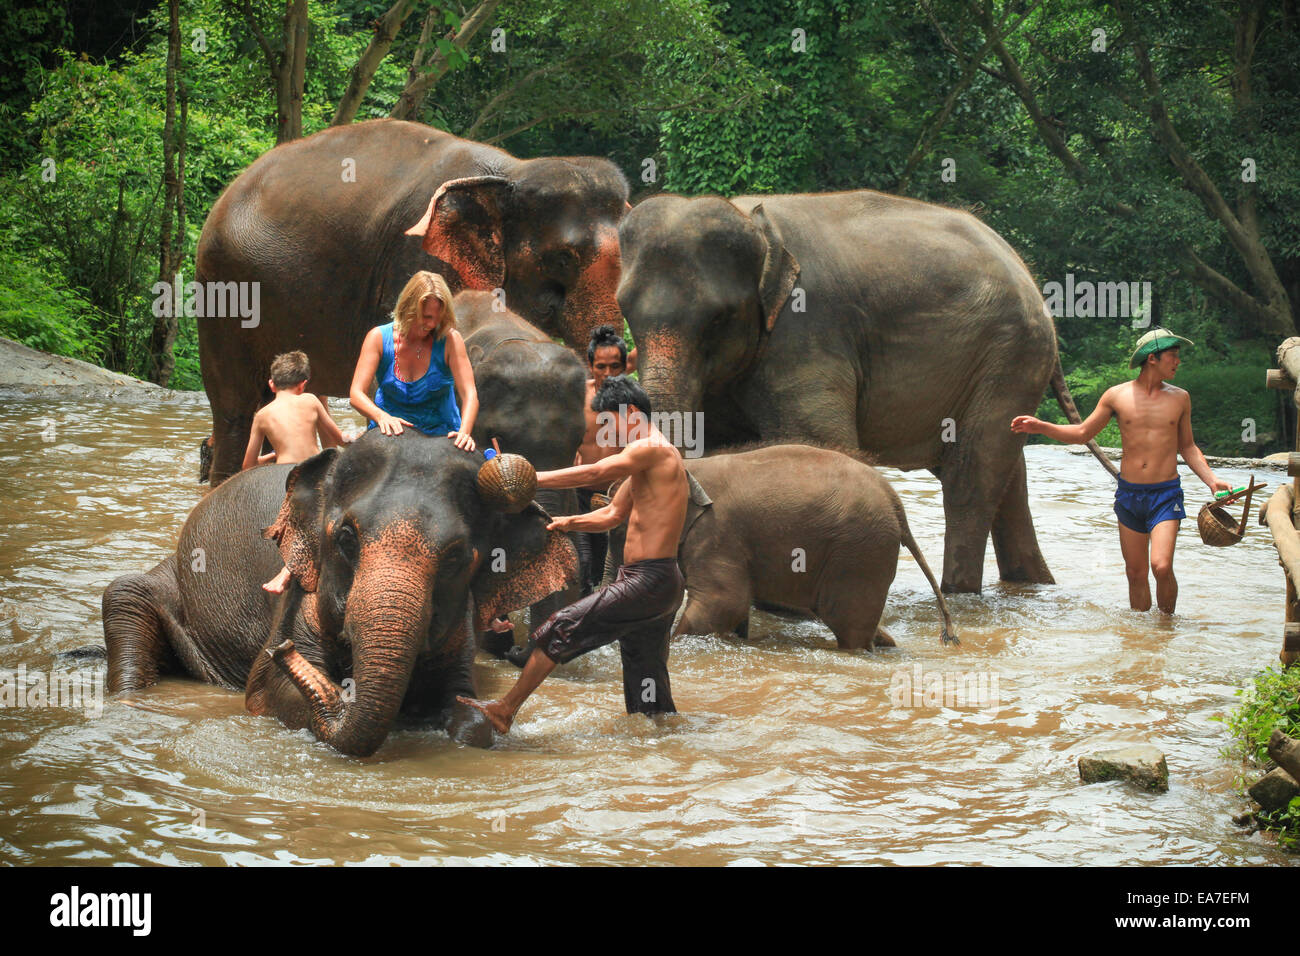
{"type": "Point", "coordinates": [1276, 462]}
{"type": "Point", "coordinates": [26, 372]}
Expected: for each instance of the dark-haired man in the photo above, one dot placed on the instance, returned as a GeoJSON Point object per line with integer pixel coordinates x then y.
{"type": "Point", "coordinates": [1155, 425]}
{"type": "Point", "coordinates": [637, 608]}
{"type": "Point", "coordinates": [606, 356]}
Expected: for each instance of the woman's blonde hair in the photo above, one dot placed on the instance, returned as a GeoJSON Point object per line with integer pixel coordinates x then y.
{"type": "Point", "coordinates": [410, 303]}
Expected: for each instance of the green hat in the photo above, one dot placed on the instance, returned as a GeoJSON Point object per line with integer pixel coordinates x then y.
{"type": "Point", "coordinates": [1157, 340]}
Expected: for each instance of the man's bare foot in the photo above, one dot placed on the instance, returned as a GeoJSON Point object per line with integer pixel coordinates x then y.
{"type": "Point", "coordinates": [494, 710]}
{"type": "Point", "coordinates": [278, 583]}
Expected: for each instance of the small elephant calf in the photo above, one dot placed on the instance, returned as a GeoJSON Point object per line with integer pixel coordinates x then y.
{"type": "Point", "coordinates": [797, 528]}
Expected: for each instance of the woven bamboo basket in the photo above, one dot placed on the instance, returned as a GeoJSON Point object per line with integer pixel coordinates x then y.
{"type": "Point", "coordinates": [507, 482]}
{"type": "Point", "coordinates": [1218, 528]}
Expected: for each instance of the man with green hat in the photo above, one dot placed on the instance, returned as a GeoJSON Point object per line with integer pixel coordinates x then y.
{"type": "Point", "coordinates": [1155, 426]}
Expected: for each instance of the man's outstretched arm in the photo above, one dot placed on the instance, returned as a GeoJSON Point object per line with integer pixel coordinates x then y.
{"type": "Point", "coordinates": [1069, 434]}
{"type": "Point", "coordinates": [627, 462]}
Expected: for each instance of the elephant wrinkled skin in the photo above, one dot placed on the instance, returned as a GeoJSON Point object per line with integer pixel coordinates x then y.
{"type": "Point", "coordinates": [853, 320]}
{"type": "Point", "coordinates": [330, 252]}
{"type": "Point", "coordinates": [396, 564]}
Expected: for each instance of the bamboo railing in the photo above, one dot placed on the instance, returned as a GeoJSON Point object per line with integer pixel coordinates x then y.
{"type": "Point", "coordinates": [1281, 512]}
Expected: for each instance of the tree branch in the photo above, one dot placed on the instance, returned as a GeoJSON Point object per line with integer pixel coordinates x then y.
{"type": "Point", "coordinates": [408, 104]}
{"type": "Point", "coordinates": [272, 62]}
{"type": "Point", "coordinates": [486, 113]}
{"type": "Point", "coordinates": [1245, 241]}
{"type": "Point", "coordinates": [386, 29]}
{"type": "Point", "coordinates": [926, 140]}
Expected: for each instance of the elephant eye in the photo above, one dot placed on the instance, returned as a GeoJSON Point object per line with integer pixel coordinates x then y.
{"type": "Point", "coordinates": [345, 539]}
{"type": "Point", "coordinates": [561, 261]}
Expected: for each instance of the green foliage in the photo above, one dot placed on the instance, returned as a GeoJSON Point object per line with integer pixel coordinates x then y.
{"type": "Point", "coordinates": [1271, 703]}
{"type": "Point", "coordinates": [716, 93]}
{"type": "Point", "coordinates": [38, 310]}
{"type": "Point", "coordinates": [95, 227]}
{"type": "Point", "coordinates": [563, 88]}
{"type": "Point", "coordinates": [28, 35]}
{"type": "Point", "coordinates": [799, 132]}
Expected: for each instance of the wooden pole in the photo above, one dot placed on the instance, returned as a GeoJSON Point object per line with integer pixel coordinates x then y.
{"type": "Point", "coordinates": [1287, 376]}
{"type": "Point", "coordinates": [1285, 753]}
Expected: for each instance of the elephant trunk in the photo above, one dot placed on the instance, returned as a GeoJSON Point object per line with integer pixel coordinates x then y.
{"type": "Point", "coordinates": [388, 617]}
{"type": "Point", "coordinates": [592, 301]}
{"type": "Point", "coordinates": [669, 375]}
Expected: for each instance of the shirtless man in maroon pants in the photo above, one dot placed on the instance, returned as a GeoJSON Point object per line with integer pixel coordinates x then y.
{"type": "Point", "coordinates": [636, 608]}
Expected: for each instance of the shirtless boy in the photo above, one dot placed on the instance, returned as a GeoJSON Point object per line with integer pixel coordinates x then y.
{"type": "Point", "coordinates": [606, 356]}
{"type": "Point", "coordinates": [637, 608]}
{"type": "Point", "coordinates": [291, 423]}
{"type": "Point", "coordinates": [1155, 425]}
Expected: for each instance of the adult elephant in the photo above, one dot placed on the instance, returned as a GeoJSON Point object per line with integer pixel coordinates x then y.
{"type": "Point", "coordinates": [859, 320]}
{"type": "Point", "coordinates": [531, 392]}
{"type": "Point", "coordinates": [323, 226]}
{"type": "Point", "coordinates": [399, 555]}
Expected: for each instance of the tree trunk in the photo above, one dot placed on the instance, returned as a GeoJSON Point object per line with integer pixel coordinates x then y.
{"type": "Point", "coordinates": [1285, 753]}
{"type": "Point", "coordinates": [171, 246]}
{"type": "Point", "coordinates": [291, 74]}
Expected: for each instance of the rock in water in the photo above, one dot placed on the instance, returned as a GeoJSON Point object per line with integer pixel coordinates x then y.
{"type": "Point", "coordinates": [1274, 790]}
{"type": "Point", "coordinates": [1141, 764]}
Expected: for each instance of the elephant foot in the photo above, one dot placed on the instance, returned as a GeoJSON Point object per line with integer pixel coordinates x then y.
{"type": "Point", "coordinates": [497, 644]}
{"type": "Point", "coordinates": [519, 655]}
{"type": "Point", "coordinates": [468, 727]}
{"type": "Point", "coordinates": [884, 638]}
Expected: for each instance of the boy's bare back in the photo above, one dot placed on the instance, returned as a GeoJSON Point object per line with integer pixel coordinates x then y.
{"type": "Point", "coordinates": [291, 423]}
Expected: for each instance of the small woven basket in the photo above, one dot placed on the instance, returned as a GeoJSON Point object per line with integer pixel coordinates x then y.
{"type": "Point", "coordinates": [507, 482]}
{"type": "Point", "coordinates": [1218, 528]}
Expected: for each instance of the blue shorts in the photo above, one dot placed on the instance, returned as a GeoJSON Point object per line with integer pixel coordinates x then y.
{"type": "Point", "coordinates": [1142, 507]}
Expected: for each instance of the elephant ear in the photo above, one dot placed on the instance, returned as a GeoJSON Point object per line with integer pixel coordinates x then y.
{"type": "Point", "coordinates": [297, 528]}
{"type": "Point", "coordinates": [523, 564]}
{"type": "Point", "coordinates": [463, 227]}
{"type": "Point", "coordinates": [780, 269]}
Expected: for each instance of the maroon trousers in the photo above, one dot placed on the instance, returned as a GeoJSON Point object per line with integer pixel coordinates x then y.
{"type": "Point", "coordinates": [636, 609]}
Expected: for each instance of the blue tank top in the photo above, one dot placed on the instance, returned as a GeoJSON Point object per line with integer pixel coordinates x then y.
{"type": "Point", "coordinates": [430, 401]}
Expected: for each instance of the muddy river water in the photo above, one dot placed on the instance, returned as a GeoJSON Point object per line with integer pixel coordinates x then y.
{"type": "Point", "coordinates": [786, 751]}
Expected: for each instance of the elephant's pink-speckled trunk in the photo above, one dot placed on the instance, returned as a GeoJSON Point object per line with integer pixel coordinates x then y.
{"type": "Point", "coordinates": [592, 301]}
{"type": "Point", "coordinates": [668, 374]}
{"type": "Point", "coordinates": [388, 615]}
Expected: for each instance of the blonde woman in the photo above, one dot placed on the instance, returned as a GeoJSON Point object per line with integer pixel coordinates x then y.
{"type": "Point", "coordinates": [420, 363]}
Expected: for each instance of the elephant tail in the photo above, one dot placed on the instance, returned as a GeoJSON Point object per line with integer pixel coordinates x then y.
{"type": "Point", "coordinates": [1066, 401]}
{"type": "Point", "coordinates": [949, 632]}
